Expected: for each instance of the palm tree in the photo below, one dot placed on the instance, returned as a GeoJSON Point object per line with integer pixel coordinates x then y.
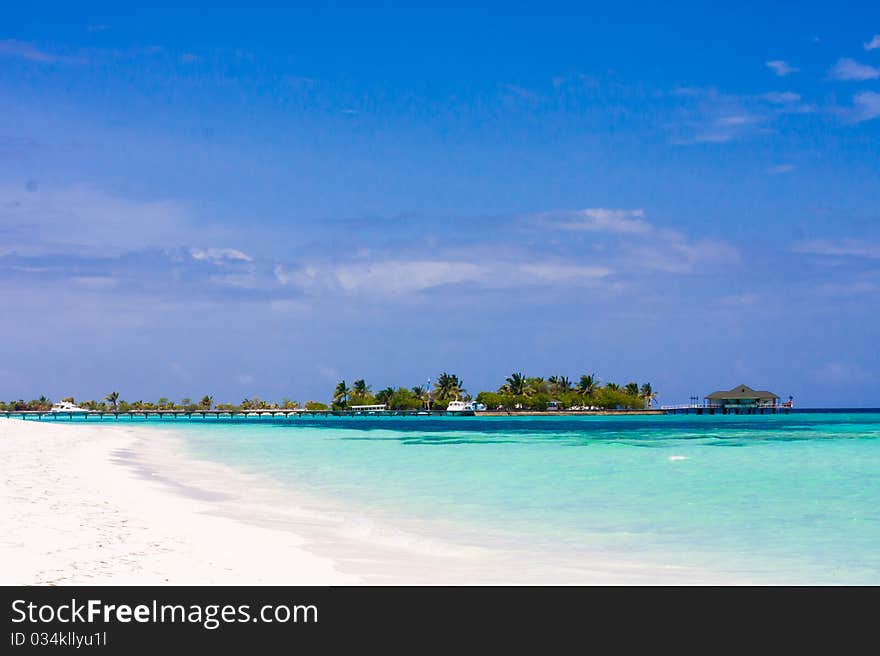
{"type": "Point", "coordinates": [632, 389]}
{"type": "Point", "coordinates": [535, 385]}
{"type": "Point", "coordinates": [648, 393]}
{"type": "Point", "coordinates": [384, 396]}
{"type": "Point", "coordinates": [560, 383]}
{"type": "Point", "coordinates": [612, 387]}
{"type": "Point", "coordinates": [515, 384]}
{"type": "Point", "coordinates": [420, 392]}
{"type": "Point", "coordinates": [448, 386]}
{"type": "Point", "coordinates": [207, 402]}
{"type": "Point", "coordinates": [340, 394]}
{"type": "Point", "coordinates": [360, 387]}
{"type": "Point", "coordinates": [113, 399]}
{"type": "Point", "coordinates": [587, 384]}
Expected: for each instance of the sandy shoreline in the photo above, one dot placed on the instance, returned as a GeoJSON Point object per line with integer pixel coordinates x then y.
{"type": "Point", "coordinates": [118, 504]}
{"type": "Point", "coordinates": [72, 516]}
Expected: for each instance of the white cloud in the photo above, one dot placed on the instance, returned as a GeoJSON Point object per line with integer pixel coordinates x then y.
{"type": "Point", "coordinates": [601, 219]}
{"type": "Point", "coordinates": [220, 255]}
{"type": "Point", "coordinates": [839, 248]}
{"type": "Point", "coordinates": [385, 277]}
{"type": "Point", "coordinates": [29, 52]}
{"type": "Point", "coordinates": [781, 97]}
{"type": "Point", "coordinates": [866, 105]}
{"type": "Point", "coordinates": [741, 119]}
{"type": "Point", "coordinates": [670, 252]}
{"type": "Point", "coordinates": [84, 220]}
{"type": "Point", "coordinates": [640, 245]}
{"type": "Point", "coordinates": [598, 246]}
{"type": "Point", "coordinates": [94, 282]}
{"type": "Point", "coordinates": [781, 68]}
{"type": "Point", "coordinates": [851, 70]}
{"type": "Point", "coordinates": [564, 272]}
{"type": "Point", "coordinates": [392, 278]}
{"type": "Point", "coordinates": [780, 169]}
{"type": "Point", "coordinates": [874, 43]}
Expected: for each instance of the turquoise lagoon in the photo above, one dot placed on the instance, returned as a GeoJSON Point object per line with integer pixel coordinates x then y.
{"type": "Point", "coordinates": [767, 498]}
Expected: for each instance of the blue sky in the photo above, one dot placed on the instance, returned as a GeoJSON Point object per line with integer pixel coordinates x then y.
{"type": "Point", "coordinates": [262, 201]}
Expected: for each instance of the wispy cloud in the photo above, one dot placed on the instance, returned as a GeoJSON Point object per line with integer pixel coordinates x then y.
{"type": "Point", "coordinates": [851, 70]}
{"type": "Point", "coordinates": [851, 289]}
{"type": "Point", "coordinates": [220, 255]}
{"type": "Point", "coordinates": [519, 93]}
{"type": "Point", "coordinates": [400, 277]}
{"type": "Point", "coordinates": [839, 248]}
{"type": "Point", "coordinates": [30, 52]}
{"type": "Point", "coordinates": [781, 97]}
{"type": "Point", "coordinates": [874, 43]}
{"type": "Point", "coordinates": [639, 245]}
{"type": "Point", "coordinates": [603, 248]}
{"type": "Point", "coordinates": [842, 373]}
{"type": "Point", "coordinates": [780, 169]}
{"type": "Point", "coordinates": [82, 219]}
{"type": "Point", "coordinates": [550, 271]}
{"type": "Point", "coordinates": [601, 219]}
{"type": "Point", "coordinates": [720, 129]}
{"type": "Point", "coordinates": [709, 116]}
{"type": "Point", "coordinates": [866, 106]}
{"type": "Point", "coordinates": [780, 67]}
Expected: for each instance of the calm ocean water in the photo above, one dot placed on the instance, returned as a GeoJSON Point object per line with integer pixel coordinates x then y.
{"type": "Point", "coordinates": [786, 498]}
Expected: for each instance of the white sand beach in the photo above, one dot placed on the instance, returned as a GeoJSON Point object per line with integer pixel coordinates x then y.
{"type": "Point", "coordinates": [72, 516]}
{"type": "Point", "coordinates": [116, 504]}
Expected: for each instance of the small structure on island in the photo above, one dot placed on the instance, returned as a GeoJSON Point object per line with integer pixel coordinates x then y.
{"type": "Point", "coordinates": [368, 409]}
{"type": "Point", "coordinates": [742, 399]}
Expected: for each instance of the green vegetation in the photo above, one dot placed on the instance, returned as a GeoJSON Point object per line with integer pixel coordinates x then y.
{"type": "Point", "coordinates": [518, 392]}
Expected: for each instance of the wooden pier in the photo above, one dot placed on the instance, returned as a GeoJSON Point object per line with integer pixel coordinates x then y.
{"type": "Point", "coordinates": [285, 413]}
{"type": "Point", "coordinates": [718, 409]}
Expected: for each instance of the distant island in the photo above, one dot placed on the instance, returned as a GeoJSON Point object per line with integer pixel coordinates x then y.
{"type": "Point", "coordinates": [518, 392]}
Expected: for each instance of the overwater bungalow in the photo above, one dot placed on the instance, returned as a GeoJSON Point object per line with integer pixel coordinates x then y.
{"type": "Point", "coordinates": [742, 399]}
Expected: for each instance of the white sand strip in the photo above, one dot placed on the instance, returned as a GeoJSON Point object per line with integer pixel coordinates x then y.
{"type": "Point", "coordinates": [68, 515]}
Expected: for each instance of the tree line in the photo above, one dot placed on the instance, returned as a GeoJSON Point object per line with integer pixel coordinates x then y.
{"type": "Point", "coordinates": [113, 403]}
{"type": "Point", "coordinates": [521, 392]}
{"type": "Point", "coordinates": [517, 392]}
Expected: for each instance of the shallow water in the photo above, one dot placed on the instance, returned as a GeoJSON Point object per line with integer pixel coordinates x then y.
{"type": "Point", "coordinates": [779, 499]}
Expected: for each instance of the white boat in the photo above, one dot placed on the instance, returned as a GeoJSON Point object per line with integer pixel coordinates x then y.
{"type": "Point", "coordinates": [66, 406]}
{"type": "Point", "coordinates": [464, 407]}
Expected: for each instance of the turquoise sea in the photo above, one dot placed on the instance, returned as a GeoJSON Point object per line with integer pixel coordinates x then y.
{"type": "Point", "coordinates": [773, 498]}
